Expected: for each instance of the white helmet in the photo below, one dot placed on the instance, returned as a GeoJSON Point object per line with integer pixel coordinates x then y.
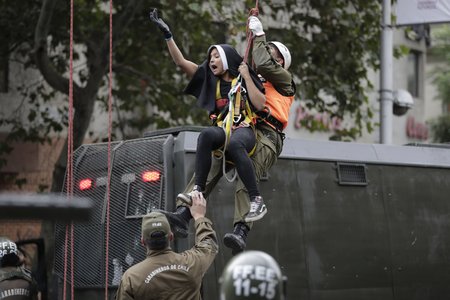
{"type": "Point", "coordinates": [284, 52]}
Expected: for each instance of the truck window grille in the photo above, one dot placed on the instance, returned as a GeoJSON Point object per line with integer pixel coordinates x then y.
{"type": "Point", "coordinates": [131, 197]}
{"type": "Point", "coordinates": [351, 174]}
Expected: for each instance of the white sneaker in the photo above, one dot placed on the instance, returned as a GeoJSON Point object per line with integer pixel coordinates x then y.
{"type": "Point", "coordinates": [186, 197]}
{"type": "Point", "coordinates": [257, 209]}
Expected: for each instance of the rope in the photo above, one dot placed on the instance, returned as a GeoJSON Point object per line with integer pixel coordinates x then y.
{"type": "Point", "coordinates": [228, 124]}
{"type": "Point", "coordinates": [253, 12]}
{"type": "Point", "coordinates": [108, 190]}
{"type": "Point", "coordinates": [69, 182]}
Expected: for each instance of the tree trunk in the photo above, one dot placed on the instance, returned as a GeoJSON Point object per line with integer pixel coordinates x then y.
{"type": "Point", "coordinates": [84, 100]}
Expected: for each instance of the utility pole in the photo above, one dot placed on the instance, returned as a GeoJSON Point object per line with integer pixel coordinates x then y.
{"type": "Point", "coordinates": [386, 75]}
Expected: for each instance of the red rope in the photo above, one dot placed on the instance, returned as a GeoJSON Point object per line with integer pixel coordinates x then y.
{"type": "Point", "coordinates": [65, 262]}
{"type": "Point", "coordinates": [253, 12]}
{"type": "Point", "coordinates": [109, 146]}
{"type": "Point", "coordinates": [69, 182]}
{"type": "Point", "coordinates": [72, 265]}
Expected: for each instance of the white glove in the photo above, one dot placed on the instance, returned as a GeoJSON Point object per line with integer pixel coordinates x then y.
{"type": "Point", "coordinates": [254, 24]}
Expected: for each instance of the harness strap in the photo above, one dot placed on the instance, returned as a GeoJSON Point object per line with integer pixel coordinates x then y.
{"type": "Point", "coordinates": [237, 104]}
{"type": "Point", "coordinates": [273, 122]}
{"type": "Point", "coordinates": [266, 117]}
{"type": "Point", "coordinates": [233, 117]}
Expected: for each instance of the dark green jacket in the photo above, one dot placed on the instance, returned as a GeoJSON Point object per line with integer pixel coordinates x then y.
{"type": "Point", "coordinates": [269, 69]}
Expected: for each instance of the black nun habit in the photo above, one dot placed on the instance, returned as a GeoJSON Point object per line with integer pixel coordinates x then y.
{"type": "Point", "coordinates": [203, 83]}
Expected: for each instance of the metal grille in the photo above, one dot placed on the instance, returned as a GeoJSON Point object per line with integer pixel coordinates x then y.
{"type": "Point", "coordinates": [137, 187]}
{"type": "Point", "coordinates": [351, 174]}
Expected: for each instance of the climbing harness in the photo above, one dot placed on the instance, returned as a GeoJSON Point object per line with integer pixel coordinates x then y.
{"type": "Point", "coordinates": [239, 112]}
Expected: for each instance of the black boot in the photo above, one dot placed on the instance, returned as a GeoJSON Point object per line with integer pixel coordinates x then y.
{"type": "Point", "coordinates": [179, 221]}
{"type": "Point", "coordinates": [186, 197]}
{"type": "Point", "coordinates": [236, 240]}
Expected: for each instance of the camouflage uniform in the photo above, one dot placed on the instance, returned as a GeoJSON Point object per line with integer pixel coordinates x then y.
{"type": "Point", "coordinates": [269, 142]}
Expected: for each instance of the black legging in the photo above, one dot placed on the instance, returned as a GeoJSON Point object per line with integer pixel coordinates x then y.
{"type": "Point", "coordinates": [241, 143]}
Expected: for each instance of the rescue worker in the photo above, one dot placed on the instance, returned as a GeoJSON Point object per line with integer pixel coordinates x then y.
{"type": "Point", "coordinates": [211, 83]}
{"type": "Point", "coordinates": [16, 282]}
{"type": "Point", "coordinates": [272, 60]}
{"type": "Point", "coordinates": [252, 275]}
{"type": "Point", "coordinates": [165, 274]}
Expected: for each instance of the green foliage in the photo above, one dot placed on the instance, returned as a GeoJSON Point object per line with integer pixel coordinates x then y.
{"type": "Point", "coordinates": [441, 129]}
{"type": "Point", "coordinates": [441, 49]}
{"type": "Point", "coordinates": [401, 50]}
{"type": "Point", "coordinates": [333, 43]}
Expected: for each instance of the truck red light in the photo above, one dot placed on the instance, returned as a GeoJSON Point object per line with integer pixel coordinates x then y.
{"type": "Point", "coordinates": [150, 176]}
{"type": "Point", "coordinates": [85, 184]}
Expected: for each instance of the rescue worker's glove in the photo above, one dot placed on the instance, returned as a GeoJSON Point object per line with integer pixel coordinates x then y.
{"type": "Point", "coordinates": [255, 25]}
{"type": "Point", "coordinates": [161, 24]}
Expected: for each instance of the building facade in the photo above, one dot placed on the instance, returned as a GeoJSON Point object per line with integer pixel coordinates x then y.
{"type": "Point", "coordinates": [412, 73]}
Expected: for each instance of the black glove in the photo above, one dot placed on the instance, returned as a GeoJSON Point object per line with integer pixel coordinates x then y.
{"type": "Point", "coordinates": [161, 24]}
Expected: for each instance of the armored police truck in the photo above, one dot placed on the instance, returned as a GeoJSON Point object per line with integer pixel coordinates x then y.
{"type": "Point", "coordinates": [345, 220]}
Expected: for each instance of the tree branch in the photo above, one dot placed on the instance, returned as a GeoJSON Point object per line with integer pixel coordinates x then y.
{"type": "Point", "coordinates": [53, 77]}
{"type": "Point", "coordinates": [130, 70]}
{"type": "Point", "coordinates": [122, 23]}
{"type": "Point", "coordinates": [101, 58]}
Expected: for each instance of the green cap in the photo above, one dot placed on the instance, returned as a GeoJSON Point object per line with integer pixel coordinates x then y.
{"type": "Point", "coordinates": [154, 222]}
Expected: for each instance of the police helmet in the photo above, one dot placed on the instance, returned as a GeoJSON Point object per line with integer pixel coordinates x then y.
{"type": "Point", "coordinates": [284, 52]}
{"type": "Point", "coordinates": [252, 275]}
{"type": "Point", "coordinates": [8, 253]}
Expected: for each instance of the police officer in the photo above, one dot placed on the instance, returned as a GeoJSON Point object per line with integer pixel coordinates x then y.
{"type": "Point", "coordinates": [16, 282]}
{"type": "Point", "coordinates": [252, 275]}
{"type": "Point", "coordinates": [165, 274]}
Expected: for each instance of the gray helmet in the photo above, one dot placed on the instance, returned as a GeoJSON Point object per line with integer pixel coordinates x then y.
{"type": "Point", "coordinates": [8, 253]}
{"type": "Point", "coordinates": [252, 275]}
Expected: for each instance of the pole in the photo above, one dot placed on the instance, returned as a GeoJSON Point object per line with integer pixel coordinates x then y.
{"type": "Point", "coordinates": [386, 98]}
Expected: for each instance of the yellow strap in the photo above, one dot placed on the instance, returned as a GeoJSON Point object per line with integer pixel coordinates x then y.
{"type": "Point", "coordinates": [234, 110]}
{"type": "Point", "coordinates": [218, 95]}
{"type": "Point", "coordinates": [220, 121]}
{"type": "Point", "coordinates": [227, 123]}
{"type": "Point", "coordinates": [237, 103]}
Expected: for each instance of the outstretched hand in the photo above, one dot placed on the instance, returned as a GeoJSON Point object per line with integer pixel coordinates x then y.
{"type": "Point", "coordinates": [161, 24]}
{"type": "Point", "coordinates": [198, 207]}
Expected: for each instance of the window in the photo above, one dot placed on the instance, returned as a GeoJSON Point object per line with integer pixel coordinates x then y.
{"type": "Point", "coordinates": [413, 73]}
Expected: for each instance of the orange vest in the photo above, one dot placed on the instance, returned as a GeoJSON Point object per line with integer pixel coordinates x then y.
{"type": "Point", "coordinates": [278, 104]}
